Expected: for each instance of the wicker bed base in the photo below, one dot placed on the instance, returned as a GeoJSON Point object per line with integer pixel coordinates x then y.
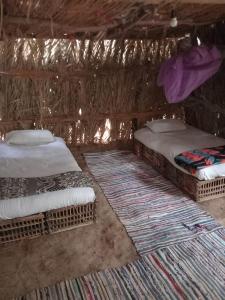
{"type": "Point", "coordinates": [199, 190]}
{"type": "Point", "coordinates": [53, 221]}
{"type": "Point", "coordinates": [63, 219]}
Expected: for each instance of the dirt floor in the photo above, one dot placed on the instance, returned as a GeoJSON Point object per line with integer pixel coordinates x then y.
{"type": "Point", "coordinates": [43, 261]}
{"type": "Point", "coordinates": [216, 208]}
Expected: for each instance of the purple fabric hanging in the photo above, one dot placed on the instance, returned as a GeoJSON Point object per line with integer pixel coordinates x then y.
{"type": "Point", "coordinates": [183, 73]}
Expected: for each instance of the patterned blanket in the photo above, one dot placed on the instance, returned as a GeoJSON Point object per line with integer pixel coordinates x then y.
{"type": "Point", "coordinates": [21, 187]}
{"type": "Point", "coordinates": [197, 159]}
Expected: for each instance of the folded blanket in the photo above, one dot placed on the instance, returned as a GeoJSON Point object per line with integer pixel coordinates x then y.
{"type": "Point", "coordinates": [22, 187]}
{"type": "Point", "coordinates": [197, 159]}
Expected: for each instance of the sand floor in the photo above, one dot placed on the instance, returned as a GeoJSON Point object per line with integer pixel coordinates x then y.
{"type": "Point", "coordinates": [43, 261]}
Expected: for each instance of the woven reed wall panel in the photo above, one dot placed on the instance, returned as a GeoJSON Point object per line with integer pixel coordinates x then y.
{"type": "Point", "coordinates": [83, 79]}
{"type": "Point", "coordinates": [206, 107]}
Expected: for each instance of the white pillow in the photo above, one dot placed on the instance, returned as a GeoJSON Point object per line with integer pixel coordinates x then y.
{"type": "Point", "coordinates": [166, 125]}
{"type": "Point", "coordinates": [29, 137]}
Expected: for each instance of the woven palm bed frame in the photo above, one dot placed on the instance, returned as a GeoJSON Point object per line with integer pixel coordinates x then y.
{"type": "Point", "coordinates": [49, 222]}
{"type": "Point", "coordinates": [199, 190]}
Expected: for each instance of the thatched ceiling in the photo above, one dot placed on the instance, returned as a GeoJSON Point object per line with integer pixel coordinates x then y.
{"type": "Point", "coordinates": [104, 18]}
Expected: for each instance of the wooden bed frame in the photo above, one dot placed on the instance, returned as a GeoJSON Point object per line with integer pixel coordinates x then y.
{"type": "Point", "coordinates": [49, 222]}
{"type": "Point", "coordinates": [199, 190]}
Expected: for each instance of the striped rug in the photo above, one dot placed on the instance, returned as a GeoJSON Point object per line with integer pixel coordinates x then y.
{"type": "Point", "coordinates": [154, 212]}
{"type": "Point", "coordinates": [186, 271]}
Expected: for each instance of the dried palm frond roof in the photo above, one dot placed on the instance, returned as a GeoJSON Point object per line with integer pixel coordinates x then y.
{"type": "Point", "coordinates": [104, 18]}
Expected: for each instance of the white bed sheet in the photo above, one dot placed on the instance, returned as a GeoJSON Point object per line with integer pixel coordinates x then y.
{"type": "Point", "coordinates": [38, 161]}
{"type": "Point", "coordinates": [25, 206]}
{"type": "Point", "coordinates": [171, 144]}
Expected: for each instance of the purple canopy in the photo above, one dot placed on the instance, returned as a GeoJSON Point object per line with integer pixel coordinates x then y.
{"type": "Point", "coordinates": [185, 72]}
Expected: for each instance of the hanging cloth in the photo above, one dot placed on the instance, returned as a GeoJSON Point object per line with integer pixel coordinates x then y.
{"type": "Point", "coordinates": [185, 72]}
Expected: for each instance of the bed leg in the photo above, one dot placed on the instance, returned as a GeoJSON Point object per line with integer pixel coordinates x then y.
{"type": "Point", "coordinates": [138, 149]}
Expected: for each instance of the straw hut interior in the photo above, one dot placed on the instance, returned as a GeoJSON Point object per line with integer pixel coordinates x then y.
{"type": "Point", "coordinates": [86, 70]}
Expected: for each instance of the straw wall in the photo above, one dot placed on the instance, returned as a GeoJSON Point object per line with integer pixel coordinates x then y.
{"type": "Point", "coordinates": [206, 107]}
{"type": "Point", "coordinates": [85, 91]}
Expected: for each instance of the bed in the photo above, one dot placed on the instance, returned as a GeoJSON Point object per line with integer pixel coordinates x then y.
{"type": "Point", "coordinates": [42, 190]}
{"type": "Point", "coordinates": [160, 148]}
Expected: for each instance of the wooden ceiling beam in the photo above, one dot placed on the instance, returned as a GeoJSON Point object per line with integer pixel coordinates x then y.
{"type": "Point", "coordinates": [67, 29]}
{"type": "Point", "coordinates": [212, 2]}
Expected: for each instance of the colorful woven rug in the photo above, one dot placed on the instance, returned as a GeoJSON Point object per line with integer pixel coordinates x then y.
{"type": "Point", "coordinates": [155, 213]}
{"type": "Point", "coordinates": [187, 271]}
{"type": "Point", "coordinates": [183, 248]}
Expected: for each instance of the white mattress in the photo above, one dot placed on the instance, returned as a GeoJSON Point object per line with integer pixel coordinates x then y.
{"type": "Point", "coordinates": [25, 206]}
{"type": "Point", "coordinates": [173, 143]}
{"type": "Point", "coordinates": [37, 161]}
